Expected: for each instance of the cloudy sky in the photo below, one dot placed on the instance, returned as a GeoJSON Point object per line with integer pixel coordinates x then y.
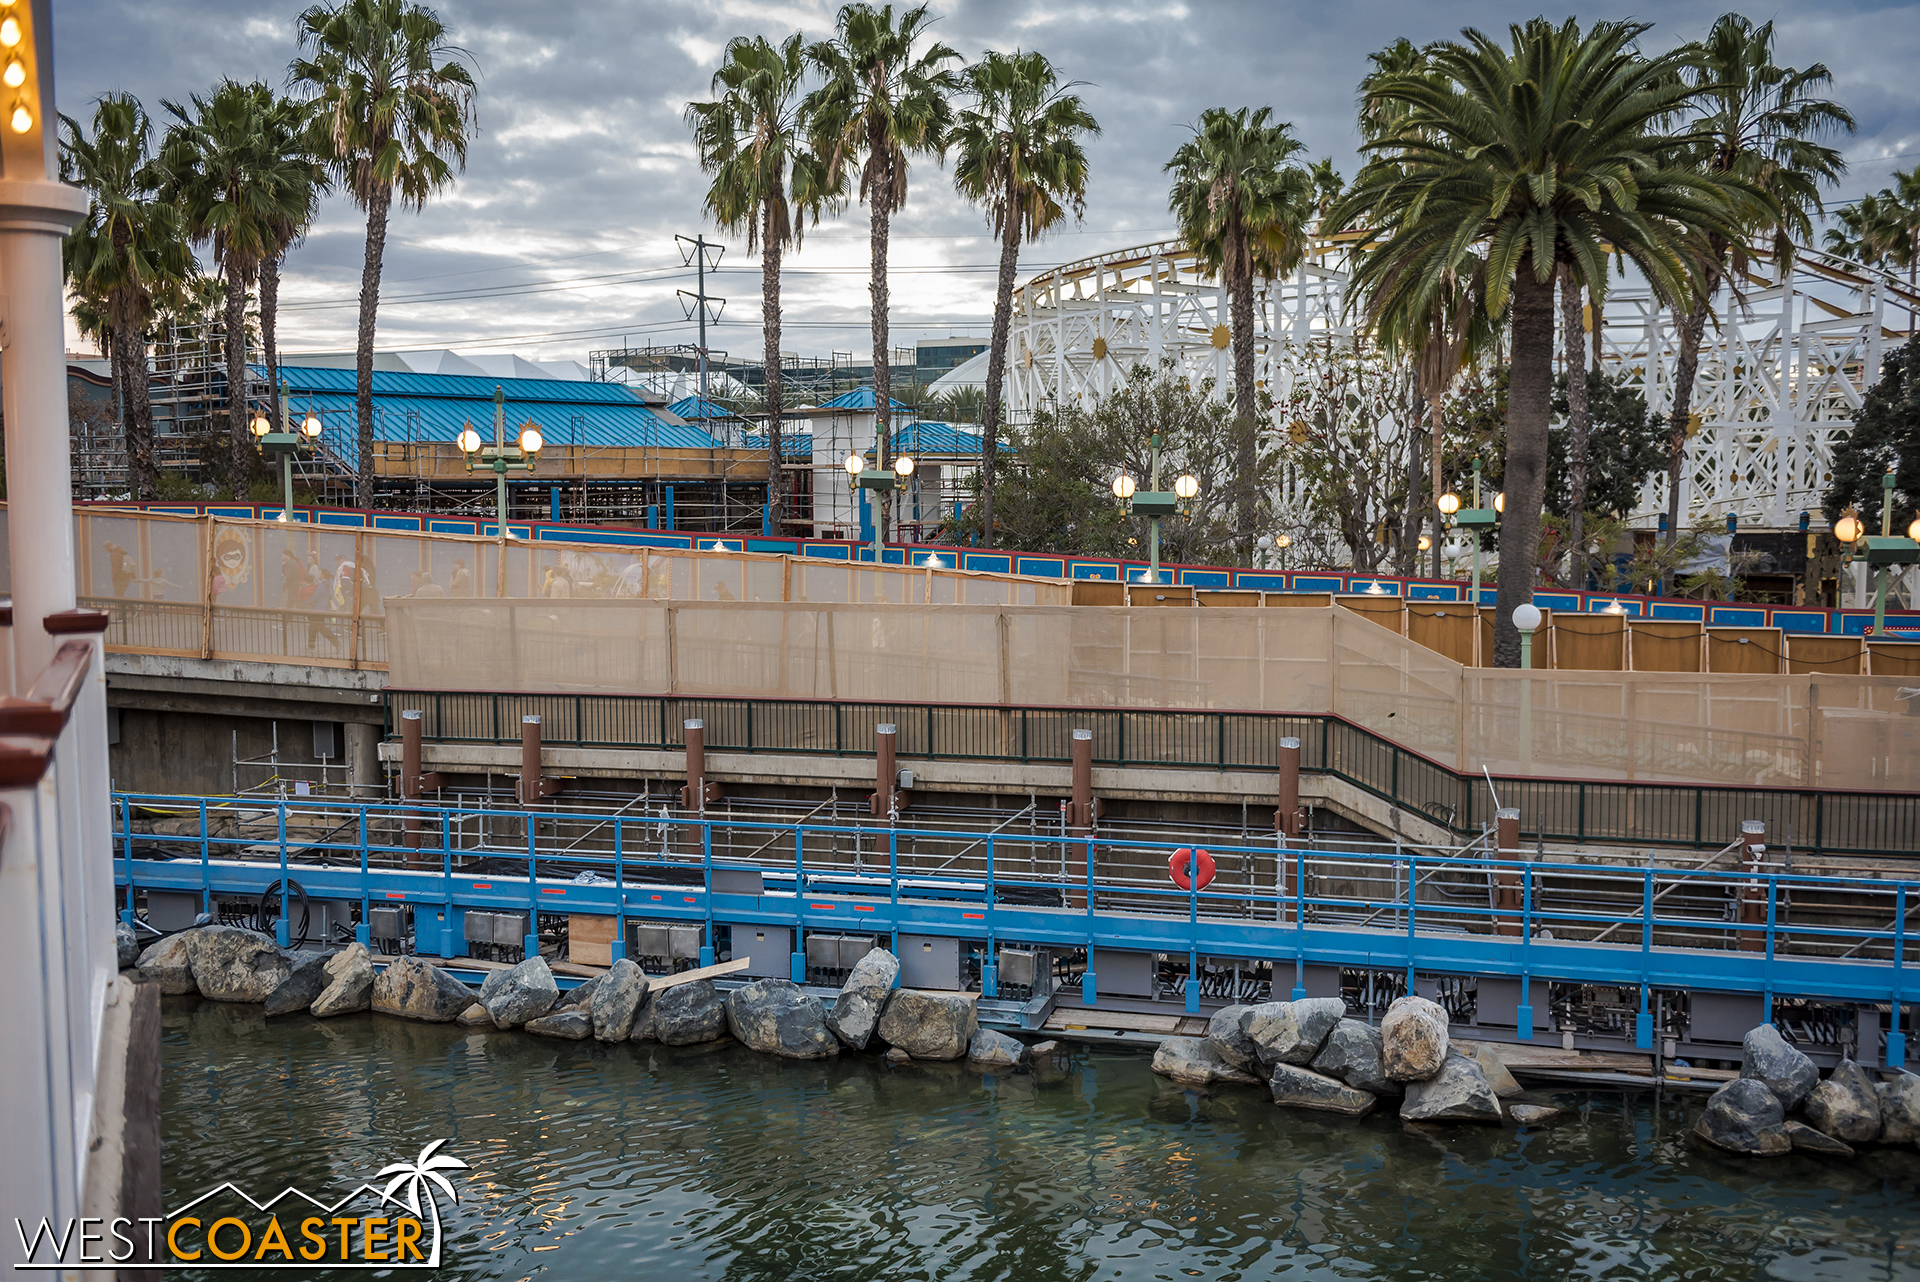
{"type": "Point", "coordinates": [558, 238]}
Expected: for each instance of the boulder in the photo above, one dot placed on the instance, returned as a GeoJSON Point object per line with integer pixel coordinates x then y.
{"type": "Point", "coordinates": [1295, 1087]}
{"type": "Point", "coordinates": [1845, 1106]}
{"type": "Point", "coordinates": [1778, 1066]}
{"type": "Point", "coordinates": [643, 1030]}
{"type": "Point", "coordinates": [1040, 1050]}
{"type": "Point", "coordinates": [897, 1057]}
{"type": "Point", "coordinates": [856, 1012]}
{"type": "Point", "coordinates": [1459, 1092]}
{"type": "Point", "coordinates": [580, 995]}
{"type": "Point", "coordinates": [235, 965]}
{"type": "Point", "coordinates": [525, 992]}
{"type": "Point", "coordinates": [1228, 1030]}
{"type": "Point", "coordinates": [475, 1016]}
{"type": "Point", "coordinates": [1197, 1062]}
{"type": "Point", "coordinates": [126, 945]}
{"type": "Point", "coordinates": [299, 990]}
{"type": "Point", "coordinates": [1899, 1109]}
{"type": "Point", "coordinates": [1745, 1116]}
{"type": "Point", "coordinates": [573, 1024]}
{"type": "Point", "coordinates": [1352, 1055]}
{"type": "Point", "coordinates": [1291, 1032]}
{"type": "Point", "coordinates": [169, 963]}
{"type": "Point", "coordinates": [1483, 1054]}
{"type": "Point", "coordinates": [996, 1050]}
{"type": "Point", "coordinates": [349, 982]}
{"type": "Point", "coordinates": [927, 1025]}
{"type": "Point", "coordinates": [1807, 1140]}
{"type": "Point", "coordinates": [1413, 1039]}
{"type": "Point", "coordinates": [688, 1014]}
{"type": "Point", "coordinates": [774, 1017]}
{"type": "Point", "coordinates": [1535, 1114]}
{"type": "Point", "coordinates": [414, 989]}
{"type": "Point", "coordinates": [616, 1002]}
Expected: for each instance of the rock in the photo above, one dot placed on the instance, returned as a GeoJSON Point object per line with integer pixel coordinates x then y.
{"type": "Point", "coordinates": [1295, 1087]}
{"type": "Point", "coordinates": [1845, 1105]}
{"type": "Point", "coordinates": [235, 965]}
{"type": "Point", "coordinates": [616, 1002]}
{"type": "Point", "coordinates": [475, 1016]}
{"type": "Point", "coordinates": [856, 1012]}
{"type": "Point", "coordinates": [573, 1023]}
{"type": "Point", "coordinates": [1228, 1030]}
{"type": "Point", "coordinates": [1292, 1032]}
{"type": "Point", "coordinates": [1459, 1092]}
{"type": "Point", "coordinates": [126, 945]}
{"type": "Point", "coordinates": [169, 963]}
{"type": "Point", "coordinates": [1352, 1055]}
{"type": "Point", "coordinates": [996, 1049]}
{"type": "Point", "coordinates": [688, 1014]}
{"type": "Point", "coordinates": [774, 1017]}
{"type": "Point", "coordinates": [1807, 1140]}
{"type": "Point", "coordinates": [350, 982]}
{"type": "Point", "coordinates": [515, 996]}
{"type": "Point", "coordinates": [1899, 1109]}
{"type": "Point", "coordinates": [1413, 1039]}
{"type": "Point", "coordinates": [1483, 1054]}
{"type": "Point", "coordinates": [1535, 1114]}
{"type": "Point", "coordinates": [1040, 1050]}
{"type": "Point", "coordinates": [299, 990]}
{"type": "Point", "coordinates": [643, 1030]}
{"type": "Point", "coordinates": [1745, 1116]}
{"type": "Point", "coordinates": [897, 1057]}
{"type": "Point", "coordinates": [1197, 1062]}
{"type": "Point", "coordinates": [580, 995]}
{"type": "Point", "coordinates": [1778, 1066]}
{"type": "Point", "coordinates": [414, 989]}
{"type": "Point", "coordinates": [927, 1025]}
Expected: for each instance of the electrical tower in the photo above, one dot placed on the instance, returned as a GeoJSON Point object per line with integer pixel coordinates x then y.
{"type": "Point", "coordinates": [693, 252]}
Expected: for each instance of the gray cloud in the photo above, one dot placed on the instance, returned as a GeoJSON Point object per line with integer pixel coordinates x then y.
{"type": "Point", "coordinates": [582, 170]}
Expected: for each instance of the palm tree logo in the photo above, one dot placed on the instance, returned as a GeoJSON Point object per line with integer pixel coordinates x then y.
{"type": "Point", "coordinates": [418, 1178]}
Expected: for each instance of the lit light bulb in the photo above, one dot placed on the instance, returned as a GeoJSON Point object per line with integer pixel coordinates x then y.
{"type": "Point", "coordinates": [1500, 501]}
{"type": "Point", "coordinates": [1913, 531]}
{"type": "Point", "coordinates": [15, 75]}
{"type": "Point", "coordinates": [22, 120]}
{"type": "Point", "coordinates": [260, 424]}
{"type": "Point", "coordinates": [1425, 543]}
{"type": "Point", "coordinates": [1123, 486]}
{"type": "Point", "coordinates": [1285, 541]}
{"type": "Point", "coordinates": [312, 426]}
{"type": "Point", "coordinates": [903, 465]}
{"type": "Point", "coordinates": [469, 440]}
{"type": "Point", "coordinates": [10, 32]}
{"type": "Point", "coordinates": [1187, 486]}
{"type": "Point", "coordinates": [1848, 528]}
{"type": "Point", "coordinates": [1449, 504]}
{"type": "Point", "coordinates": [530, 439]}
{"type": "Point", "coordinates": [853, 464]}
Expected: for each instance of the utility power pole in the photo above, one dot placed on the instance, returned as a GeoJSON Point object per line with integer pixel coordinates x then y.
{"type": "Point", "coordinates": [693, 252]}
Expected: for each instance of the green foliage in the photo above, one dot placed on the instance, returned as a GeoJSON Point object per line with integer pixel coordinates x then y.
{"type": "Point", "coordinates": [1240, 198]}
{"type": "Point", "coordinates": [751, 139]}
{"type": "Point", "coordinates": [1017, 145]}
{"type": "Point", "coordinates": [1627, 443]}
{"type": "Point", "coordinates": [876, 89]}
{"type": "Point", "coordinates": [1886, 434]}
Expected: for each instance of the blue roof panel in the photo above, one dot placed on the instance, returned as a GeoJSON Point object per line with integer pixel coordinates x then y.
{"type": "Point", "coordinates": [940, 438]}
{"type": "Point", "coordinates": [860, 398]}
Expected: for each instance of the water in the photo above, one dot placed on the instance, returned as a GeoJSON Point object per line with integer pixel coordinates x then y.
{"type": "Point", "coordinates": [646, 1162]}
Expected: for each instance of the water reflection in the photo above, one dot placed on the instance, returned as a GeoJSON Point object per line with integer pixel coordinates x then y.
{"type": "Point", "coordinates": [591, 1161]}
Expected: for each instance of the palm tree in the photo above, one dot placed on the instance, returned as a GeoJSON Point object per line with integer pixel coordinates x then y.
{"type": "Point", "coordinates": [883, 102]}
{"type": "Point", "coordinates": [293, 148]}
{"type": "Point", "coordinates": [1758, 122]}
{"type": "Point", "coordinates": [1883, 229]}
{"type": "Point", "coordinates": [396, 106]}
{"type": "Point", "coordinates": [125, 259]}
{"type": "Point", "coordinates": [232, 191]}
{"type": "Point", "coordinates": [1544, 152]}
{"type": "Point", "coordinates": [751, 139]}
{"type": "Point", "coordinates": [1242, 207]}
{"type": "Point", "coordinates": [419, 1177]}
{"type": "Point", "coordinates": [1019, 154]}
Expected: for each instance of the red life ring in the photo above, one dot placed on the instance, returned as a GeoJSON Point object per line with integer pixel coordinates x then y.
{"type": "Point", "coordinates": [1183, 859]}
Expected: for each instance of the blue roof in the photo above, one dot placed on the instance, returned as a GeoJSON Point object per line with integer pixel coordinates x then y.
{"type": "Point", "coordinates": [695, 407]}
{"type": "Point", "coordinates": [860, 398]}
{"type": "Point", "coordinates": [434, 407]}
{"type": "Point", "coordinates": [939, 438]}
{"type": "Point", "coordinates": [792, 444]}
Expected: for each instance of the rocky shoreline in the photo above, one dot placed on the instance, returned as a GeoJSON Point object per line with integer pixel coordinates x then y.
{"type": "Point", "coordinates": [771, 1016]}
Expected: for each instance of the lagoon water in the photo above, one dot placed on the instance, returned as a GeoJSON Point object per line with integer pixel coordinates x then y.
{"type": "Point", "coordinates": [643, 1162]}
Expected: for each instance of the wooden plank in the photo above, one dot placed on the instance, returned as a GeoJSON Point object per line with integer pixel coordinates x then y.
{"type": "Point", "coordinates": [704, 972]}
{"type": "Point", "coordinates": [590, 939]}
{"type": "Point", "coordinates": [1815, 654]}
{"type": "Point", "coordinates": [1752, 651]}
{"type": "Point", "coordinates": [1124, 1020]}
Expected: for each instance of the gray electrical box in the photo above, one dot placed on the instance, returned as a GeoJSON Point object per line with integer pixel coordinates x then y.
{"type": "Point", "coordinates": [1723, 1017]}
{"type": "Point", "coordinates": [853, 948]}
{"type": "Point", "coordinates": [327, 919]}
{"type": "Point", "coordinates": [823, 952]}
{"type": "Point", "coordinates": [671, 940]}
{"type": "Point", "coordinates": [1028, 968]}
{"type": "Point", "coordinates": [931, 961]}
{"type": "Point", "coordinates": [768, 950]}
{"type": "Point", "coordinates": [738, 881]}
{"type": "Point", "coordinates": [1123, 974]}
{"type": "Point", "coordinates": [172, 910]}
{"type": "Point", "coordinates": [387, 923]}
{"type": "Point", "coordinates": [1497, 1003]}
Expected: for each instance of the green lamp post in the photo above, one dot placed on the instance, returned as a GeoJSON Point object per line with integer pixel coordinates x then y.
{"type": "Point", "coordinates": [1475, 519]}
{"type": "Point", "coordinates": [1887, 550]}
{"type": "Point", "coordinates": [1155, 504]}
{"type": "Point", "coordinates": [500, 457]}
{"type": "Point", "coordinates": [283, 443]}
{"type": "Point", "coordinates": [878, 481]}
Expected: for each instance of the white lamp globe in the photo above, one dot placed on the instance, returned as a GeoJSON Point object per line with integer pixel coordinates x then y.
{"type": "Point", "coordinates": [1526, 617]}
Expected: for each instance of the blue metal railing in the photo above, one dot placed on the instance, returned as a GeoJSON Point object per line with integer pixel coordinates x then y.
{"type": "Point", "coordinates": [662, 867]}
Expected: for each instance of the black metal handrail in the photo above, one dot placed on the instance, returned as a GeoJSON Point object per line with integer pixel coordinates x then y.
{"type": "Point", "coordinates": [1700, 816]}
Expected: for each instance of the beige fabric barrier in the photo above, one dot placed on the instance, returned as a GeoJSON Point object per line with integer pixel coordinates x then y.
{"type": "Point", "coordinates": [1836, 732]}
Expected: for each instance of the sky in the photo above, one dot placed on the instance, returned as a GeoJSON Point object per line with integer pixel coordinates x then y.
{"type": "Point", "coordinates": [558, 239]}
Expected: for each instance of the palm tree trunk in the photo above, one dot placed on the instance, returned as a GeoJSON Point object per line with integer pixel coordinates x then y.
{"type": "Point", "coordinates": [997, 359]}
{"type": "Point", "coordinates": [269, 317]}
{"type": "Point", "coordinates": [1579, 429]}
{"type": "Point", "coordinates": [880, 204]}
{"type": "Point", "coordinates": [136, 410]}
{"type": "Point", "coordinates": [1438, 480]}
{"type": "Point", "coordinates": [1529, 407]}
{"type": "Point", "coordinates": [770, 250]}
{"type": "Point", "coordinates": [239, 444]}
{"type": "Point", "coordinates": [1694, 329]}
{"type": "Point", "coordinates": [1246, 402]}
{"type": "Point", "coordinates": [1406, 558]}
{"type": "Point", "coordinates": [377, 206]}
